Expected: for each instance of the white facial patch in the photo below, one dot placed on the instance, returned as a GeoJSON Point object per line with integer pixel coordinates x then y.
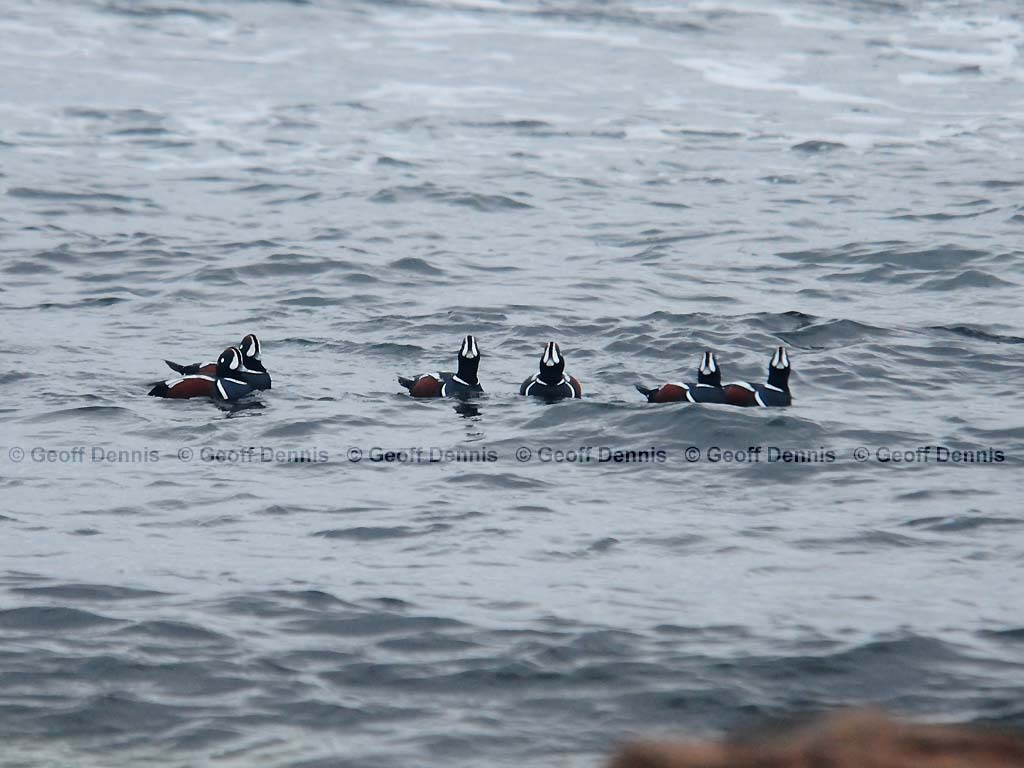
{"type": "Point", "coordinates": [780, 359]}
{"type": "Point", "coordinates": [469, 350]}
{"type": "Point", "coordinates": [253, 348]}
{"type": "Point", "coordinates": [236, 361]}
{"type": "Point", "coordinates": [709, 364]}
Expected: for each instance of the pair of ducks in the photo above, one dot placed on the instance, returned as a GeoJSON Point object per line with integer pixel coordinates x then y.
{"type": "Point", "coordinates": [238, 372]}
{"type": "Point", "coordinates": [774, 393]}
{"type": "Point", "coordinates": [551, 382]}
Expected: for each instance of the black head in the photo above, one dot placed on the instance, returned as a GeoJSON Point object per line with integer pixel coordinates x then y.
{"type": "Point", "coordinates": [469, 360]}
{"type": "Point", "coordinates": [229, 363]}
{"type": "Point", "coordinates": [552, 364]}
{"type": "Point", "coordinates": [709, 372]}
{"type": "Point", "coordinates": [778, 370]}
{"type": "Point", "coordinates": [250, 347]}
{"type": "Point", "coordinates": [252, 351]}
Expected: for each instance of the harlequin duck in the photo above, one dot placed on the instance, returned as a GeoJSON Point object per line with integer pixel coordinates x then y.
{"type": "Point", "coordinates": [708, 388]}
{"type": "Point", "coordinates": [772, 394]}
{"type": "Point", "coordinates": [552, 382]}
{"type": "Point", "coordinates": [463, 383]}
{"type": "Point", "coordinates": [223, 385]}
{"type": "Point", "coordinates": [252, 371]}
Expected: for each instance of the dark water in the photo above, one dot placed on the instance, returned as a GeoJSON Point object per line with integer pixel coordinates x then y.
{"type": "Point", "coordinates": [362, 183]}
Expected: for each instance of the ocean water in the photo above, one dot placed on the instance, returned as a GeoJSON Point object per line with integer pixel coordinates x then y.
{"type": "Point", "coordinates": [363, 183]}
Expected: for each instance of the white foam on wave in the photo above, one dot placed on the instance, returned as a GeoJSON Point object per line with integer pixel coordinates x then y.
{"type": "Point", "coordinates": [861, 118]}
{"type": "Point", "coordinates": [999, 55]}
{"type": "Point", "coordinates": [435, 95]}
{"type": "Point", "coordinates": [787, 17]}
{"type": "Point", "coordinates": [646, 132]}
{"type": "Point", "coordinates": [931, 78]}
{"type": "Point", "coordinates": [762, 76]}
{"type": "Point", "coordinates": [991, 44]}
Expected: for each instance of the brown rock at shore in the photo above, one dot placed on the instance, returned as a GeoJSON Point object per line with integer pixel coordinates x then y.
{"type": "Point", "coordinates": [848, 740]}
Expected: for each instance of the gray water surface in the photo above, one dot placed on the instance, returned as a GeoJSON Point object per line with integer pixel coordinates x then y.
{"type": "Point", "coordinates": [363, 183]}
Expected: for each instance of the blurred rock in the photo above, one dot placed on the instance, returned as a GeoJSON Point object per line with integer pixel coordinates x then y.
{"type": "Point", "coordinates": [848, 740]}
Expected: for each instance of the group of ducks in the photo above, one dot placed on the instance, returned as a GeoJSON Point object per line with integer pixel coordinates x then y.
{"type": "Point", "coordinates": [239, 372]}
{"type": "Point", "coordinates": [551, 382]}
